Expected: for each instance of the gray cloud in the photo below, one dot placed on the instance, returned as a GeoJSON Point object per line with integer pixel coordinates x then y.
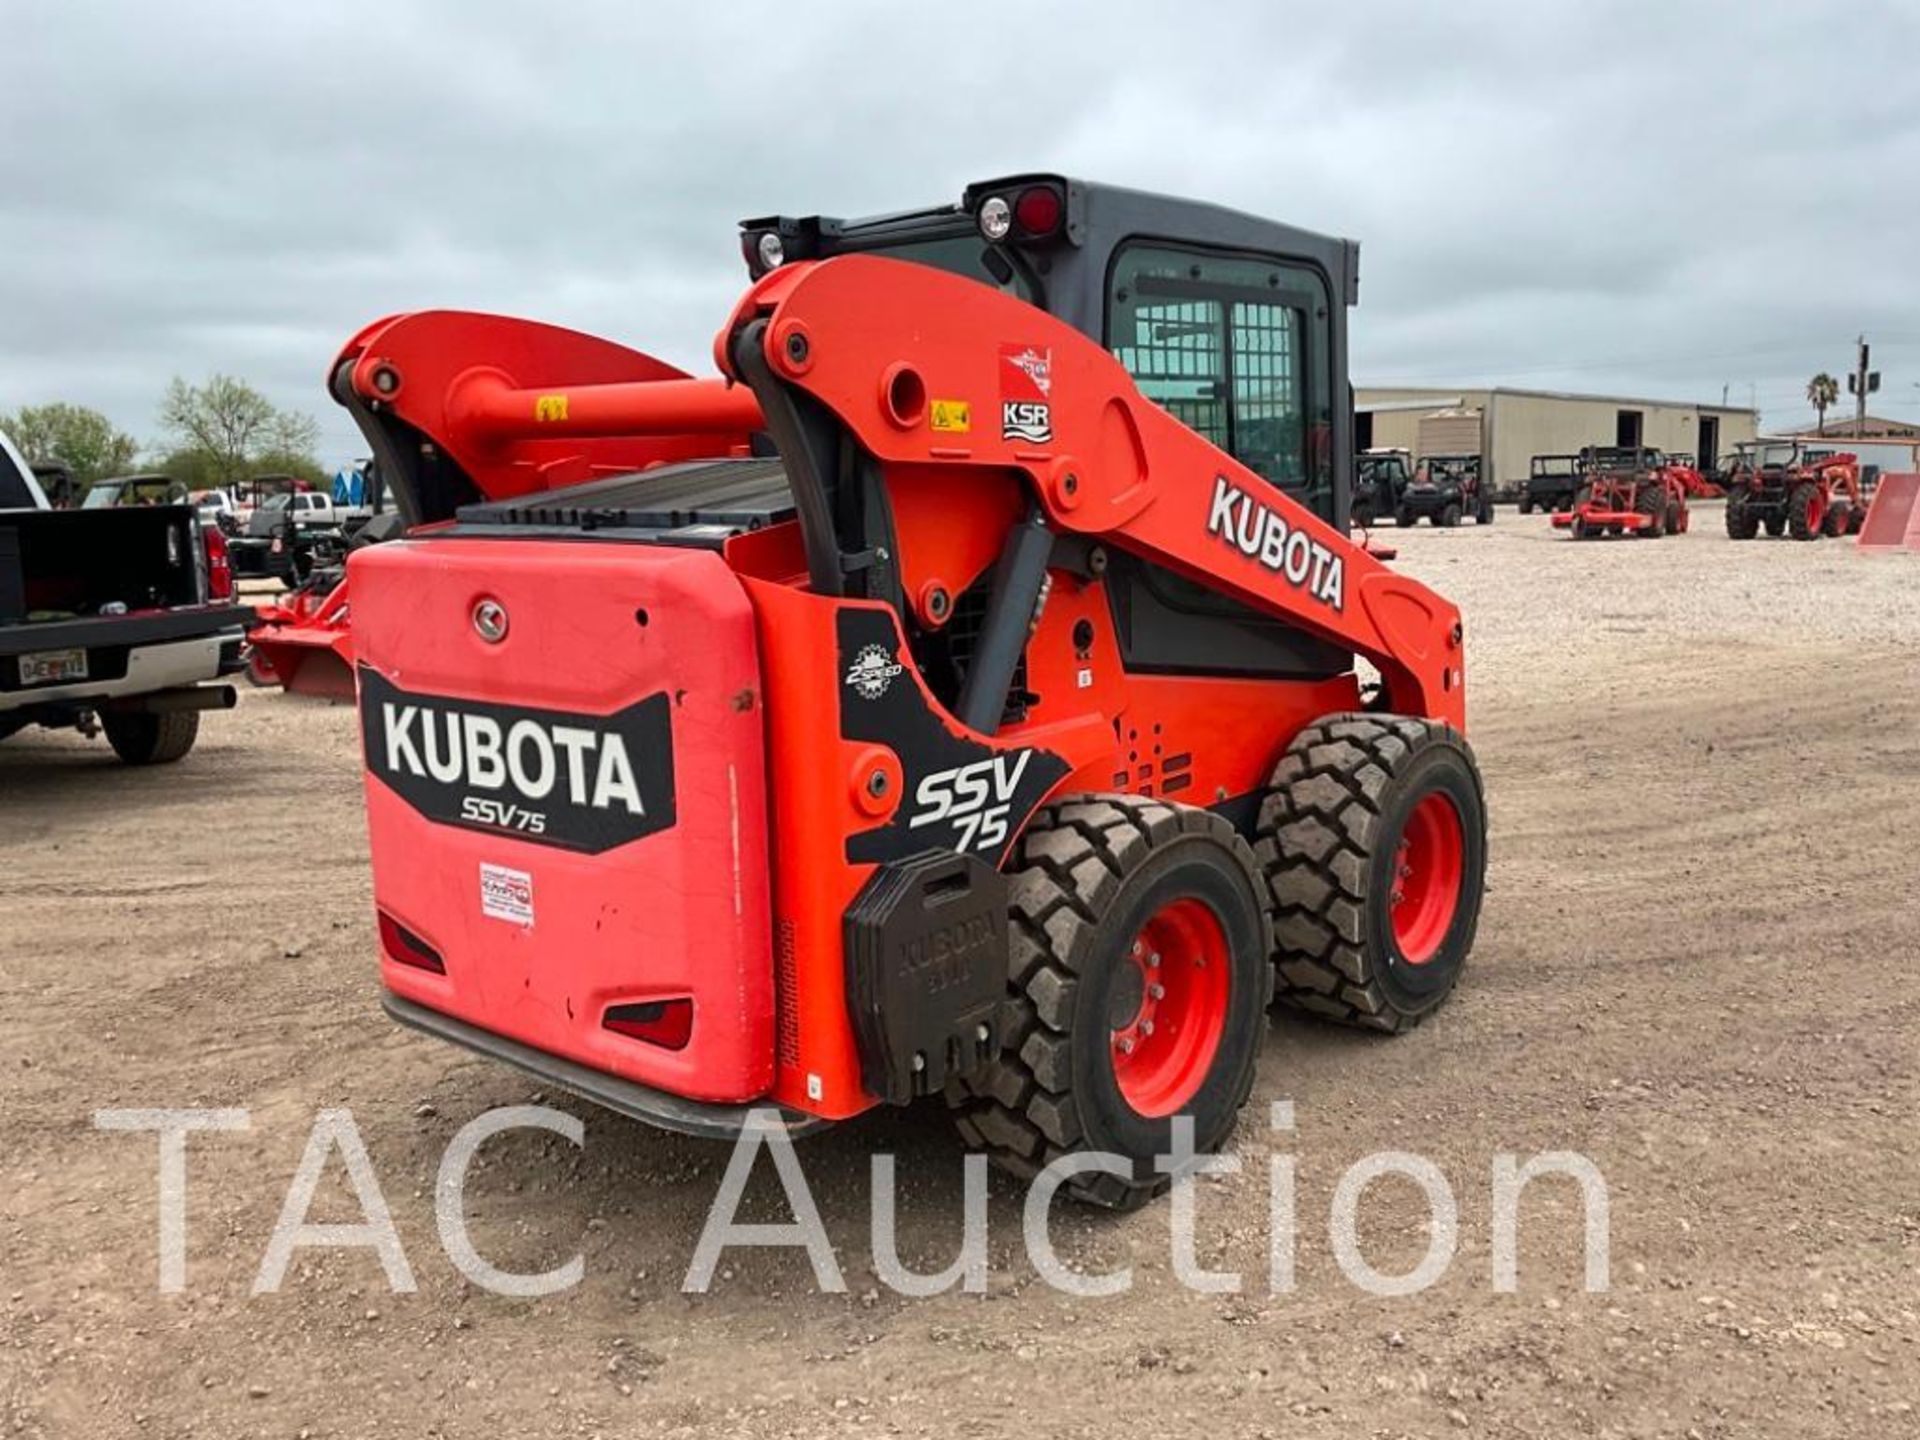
{"type": "Point", "coordinates": [1652, 198]}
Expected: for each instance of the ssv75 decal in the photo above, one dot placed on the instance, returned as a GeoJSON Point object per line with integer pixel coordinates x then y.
{"type": "Point", "coordinates": [580, 782]}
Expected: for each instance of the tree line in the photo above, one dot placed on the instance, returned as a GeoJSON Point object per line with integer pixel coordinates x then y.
{"type": "Point", "coordinates": [214, 435]}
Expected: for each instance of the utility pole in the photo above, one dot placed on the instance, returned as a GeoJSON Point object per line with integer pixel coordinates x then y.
{"type": "Point", "coordinates": [1861, 383]}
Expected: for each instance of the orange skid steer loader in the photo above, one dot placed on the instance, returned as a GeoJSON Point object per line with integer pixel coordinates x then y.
{"type": "Point", "coordinates": [959, 693]}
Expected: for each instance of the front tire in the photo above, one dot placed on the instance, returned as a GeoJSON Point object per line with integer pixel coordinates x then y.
{"type": "Point", "coordinates": [1804, 511]}
{"type": "Point", "coordinates": [1113, 899]}
{"type": "Point", "coordinates": [1449, 516]}
{"type": "Point", "coordinates": [144, 739]}
{"type": "Point", "coordinates": [1373, 841]}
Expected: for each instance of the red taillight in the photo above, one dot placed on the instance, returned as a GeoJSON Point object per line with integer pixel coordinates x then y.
{"type": "Point", "coordinates": [219, 566]}
{"type": "Point", "coordinates": [666, 1023]}
{"type": "Point", "coordinates": [1038, 210]}
{"type": "Point", "coordinates": [408, 948]}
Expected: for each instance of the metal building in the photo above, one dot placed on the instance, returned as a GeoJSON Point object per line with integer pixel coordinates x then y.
{"type": "Point", "coordinates": [1516, 425]}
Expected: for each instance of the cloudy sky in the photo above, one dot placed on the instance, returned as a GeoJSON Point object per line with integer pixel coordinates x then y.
{"type": "Point", "coordinates": [1650, 199]}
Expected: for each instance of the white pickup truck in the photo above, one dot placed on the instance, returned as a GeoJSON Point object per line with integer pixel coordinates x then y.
{"type": "Point", "coordinates": [112, 619]}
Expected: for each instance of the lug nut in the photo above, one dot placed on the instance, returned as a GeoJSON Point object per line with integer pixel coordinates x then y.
{"type": "Point", "coordinates": [1156, 992]}
{"type": "Point", "coordinates": [1124, 1045]}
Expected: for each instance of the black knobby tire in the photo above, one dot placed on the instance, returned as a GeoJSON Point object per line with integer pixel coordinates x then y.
{"type": "Point", "coordinates": [1329, 841]}
{"type": "Point", "coordinates": [1449, 515]}
{"type": "Point", "coordinates": [1088, 875]}
{"type": "Point", "coordinates": [143, 739]}
{"type": "Point", "coordinates": [1526, 504]}
{"type": "Point", "coordinates": [1651, 501]}
{"type": "Point", "coordinates": [1801, 500]}
{"type": "Point", "coordinates": [1404, 516]}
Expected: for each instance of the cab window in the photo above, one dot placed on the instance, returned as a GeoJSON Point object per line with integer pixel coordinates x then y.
{"type": "Point", "coordinates": [1236, 348]}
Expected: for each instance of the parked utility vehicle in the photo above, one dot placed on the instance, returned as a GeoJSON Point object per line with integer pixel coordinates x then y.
{"type": "Point", "coordinates": [1445, 488]}
{"type": "Point", "coordinates": [1551, 483]}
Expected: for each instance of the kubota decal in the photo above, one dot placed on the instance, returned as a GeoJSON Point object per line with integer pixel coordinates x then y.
{"type": "Point", "coordinates": [1026, 394]}
{"type": "Point", "coordinates": [1261, 533]}
{"type": "Point", "coordinates": [552, 777]}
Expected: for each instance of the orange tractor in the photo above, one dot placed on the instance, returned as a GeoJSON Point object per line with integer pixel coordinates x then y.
{"type": "Point", "coordinates": [1778, 486]}
{"type": "Point", "coordinates": [1629, 491]}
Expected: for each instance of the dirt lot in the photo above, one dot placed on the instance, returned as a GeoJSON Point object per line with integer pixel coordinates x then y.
{"type": "Point", "coordinates": [1695, 967]}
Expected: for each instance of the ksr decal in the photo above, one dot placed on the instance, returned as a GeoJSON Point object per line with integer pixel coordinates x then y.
{"type": "Point", "coordinates": [1026, 391]}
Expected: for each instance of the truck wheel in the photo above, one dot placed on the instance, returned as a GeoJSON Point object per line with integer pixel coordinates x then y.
{"type": "Point", "coordinates": [1449, 515]}
{"type": "Point", "coordinates": [1139, 986]}
{"type": "Point", "coordinates": [1804, 511]}
{"type": "Point", "coordinates": [142, 739]}
{"type": "Point", "coordinates": [1373, 841]}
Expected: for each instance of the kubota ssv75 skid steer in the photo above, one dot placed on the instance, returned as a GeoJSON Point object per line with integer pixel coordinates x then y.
{"type": "Point", "coordinates": [958, 694]}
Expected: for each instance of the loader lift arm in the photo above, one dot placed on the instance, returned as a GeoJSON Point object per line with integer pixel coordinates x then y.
{"type": "Point", "coordinates": [527, 407]}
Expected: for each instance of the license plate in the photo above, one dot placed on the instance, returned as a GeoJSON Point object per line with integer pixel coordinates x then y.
{"type": "Point", "coordinates": [53, 667]}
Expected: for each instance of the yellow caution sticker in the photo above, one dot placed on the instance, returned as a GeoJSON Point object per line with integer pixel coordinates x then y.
{"type": "Point", "coordinates": [952, 417]}
{"type": "Point", "coordinates": [550, 407]}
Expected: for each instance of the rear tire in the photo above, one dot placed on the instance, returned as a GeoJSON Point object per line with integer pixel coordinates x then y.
{"type": "Point", "coordinates": [143, 739]}
{"type": "Point", "coordinates": [1803, 511]}
{"type": "Point", "coordinates": [1652, 503]}
{"type": "Point", "coordinates": [1102, 885]}
{"type": "Point", "coordinates": [1373, 841]}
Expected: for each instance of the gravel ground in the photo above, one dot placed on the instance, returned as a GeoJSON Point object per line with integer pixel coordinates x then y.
{"type": "Point", "coordinates": [1695, 967]}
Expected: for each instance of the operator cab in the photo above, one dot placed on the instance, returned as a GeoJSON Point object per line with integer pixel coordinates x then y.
{"type": "Point", "coordinates": [1233, 324]}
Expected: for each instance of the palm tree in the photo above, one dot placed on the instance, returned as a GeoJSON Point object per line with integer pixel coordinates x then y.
{"type": "Point", "coordinates": [1822, 390]}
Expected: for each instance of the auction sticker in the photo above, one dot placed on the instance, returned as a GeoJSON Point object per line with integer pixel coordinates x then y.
{"type": "Point", "coordinates": [506, 894]}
